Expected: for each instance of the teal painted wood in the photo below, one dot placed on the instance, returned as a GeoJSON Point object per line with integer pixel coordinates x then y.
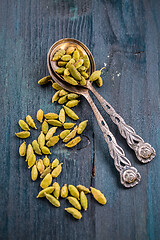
{"type": "Point", "coordinates": [124, 35]}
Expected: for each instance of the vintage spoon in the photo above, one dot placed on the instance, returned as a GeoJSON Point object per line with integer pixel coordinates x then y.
{"type": "Point", "coordinates": [144, 151]}
{"type": "Point", "coordinates": [129, 176]}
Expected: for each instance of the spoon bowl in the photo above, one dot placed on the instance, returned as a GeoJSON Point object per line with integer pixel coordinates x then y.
{"type": "Point", "coordinates": [64, 44]}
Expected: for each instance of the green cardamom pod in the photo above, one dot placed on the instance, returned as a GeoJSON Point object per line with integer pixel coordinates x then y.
{"type": "Point", "coordinates": [44, 80]}
{"type": "Point", "coordinates": [55, 163]}
{"type": "Point", "coordinates": [45, 150]}
{"type": "Point", "coordinates": [71, 135]}
{"type": "Point", "coordinates": [76, 55]}
{"type": "Point", "coordinates": [70, 80]}
{"type": "Point", "coordinates": [40, 165]}
{"type": "Point", "coordinates": [98, 196]}
{"type": "Point", "coordinates": [66, 72]}
{"type": "Point", "coordinates": [31, 160]}
{"type": "Point", "coordinates": [70, 113]}
{"type": "Point", "coordinates": [40, 115]}
{"type": "Point", "coordinates": [58, 54]}
{"type": "Point", "coordinates": [36, 147]}
{"type": "Point", "coordinates": [45, 127]}
{"type": "Point", "coordinates": [41, 140]}
{"type": "Point", "coordinates": [29, 151]}
{"type": "Point", "coordinates": [64, 191]}
{"type": "Point", "coordinates": [62, 100]}
{"type": "Point", "coordinates": [56, 171]}
{"type": "Point", "coordinates": [74, 72]}
{"type": "Point", "coordinates": [50, 133]}
{"type": "Point", "coordinates": [64, 133]}
{"type": "Point", "coordinates": [68, 125]}
{"type": "Point", "coordinates": [83, 81]}
{"type": "Point", "coordinates": [83, 188]}
{"type": "Point", "coordinates": [86, 61]}
{"type": "Point", "coordinates": [73, 142]}
{"type": "Point", "coordinates": [56, 86]}
{"type": "Point", "coordinates": [99, 82]}
{"type": "Point", "coordinates": [72, 96]}
{"type": "Point", "coordinates": [82, 68]}
{"type": "Point", "coordinates": [60, 70]}
{"type": "Point", "coordinates": [30, 122]}
{"type": "Point", "coordinates": [66, 58]}
{"type": "Point", "coordinates": [62, 93]}
{"type": "Point", "coordinates": [79, 63]}
{"type": "Point", "coordinates": [72, 61]}
{"type": "Point", "coordinates": [46, 190]}
{"type": "Point", "coordinates": [75, 213]}
{"type": "Point", "coordinates": [62, 115]}
{"type": "Point", "coordinates": [84, 74]}
{"type": "Point", "coordinates": [24, 134]}
{"type": "Point", "coordinates": [55, 96]}
{"type": "Point", "coordinates": [34, 173]}
{"type": "Point", "coordinates": [24, 125]}
{"type": "Point", "coordinates": [95, 75]}
{"type": "Point", "coordinates": [82, 126]}
{"type": "Point", "coordinates": [46, 161]}
{"type": "Point", "coordinates": [70, 50]}
{"type": "Point", "coordinates": [57, 190]}
{"type": "Point", "coordinates": [73, 191]}
{"type": "Point", "coordinates": [22, 149]}
{"type": "Point", "coordinates": [61, 63]}
{"type": "Point", "coordinates": [51, 116]}
{"type": "Point", "coordinates": [52, 200]}
{"type": "Point", "coordinates": [52, 141]}
{"type": "Point", "coordinates": [83, 200]}
{"type": "Point", "coordinates": [46, 181]}
{"type": "Point", "coordinates": [72, 103]}
{"type": "Point", "coordinates": [45, 172]}
{"type": "Point", "coordinates": [74, 202]}
{"type": "Point", "coordinates": [54, 123]}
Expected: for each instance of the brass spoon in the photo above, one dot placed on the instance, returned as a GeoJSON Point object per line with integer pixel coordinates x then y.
{"type": "Point", "coordinates": [129, 176]}
{"type": "Point", "coordinates": [144, 151]}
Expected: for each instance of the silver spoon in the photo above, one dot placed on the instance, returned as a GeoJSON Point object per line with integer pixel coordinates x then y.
{"type": "Point", "coordinates": [129, 176]}
{"type": "Point", "coordinates": [144, 151]}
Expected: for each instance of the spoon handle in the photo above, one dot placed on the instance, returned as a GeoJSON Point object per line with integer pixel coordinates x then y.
{"type": "Point", "coordinates": [144, 151]}
{"type": "Point", "coordinates": [129, 176]}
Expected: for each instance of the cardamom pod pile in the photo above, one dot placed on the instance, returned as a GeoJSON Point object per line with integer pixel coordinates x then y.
{"type": "Point", "coordinates": [74, 67]}
{"type": "Point", "coordinates": [77, 198]}
{"type": "Point", "coordinates": [47, 138]}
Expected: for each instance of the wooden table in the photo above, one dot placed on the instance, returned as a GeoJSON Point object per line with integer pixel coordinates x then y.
{"type": "Point", "coordinates": [124, 36]}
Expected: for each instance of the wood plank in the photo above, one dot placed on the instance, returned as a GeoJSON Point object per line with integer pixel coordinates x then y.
{"type": "Point", "coordinates": [24, 62]}
{"type": "Point", "coordinates": [132, 86]}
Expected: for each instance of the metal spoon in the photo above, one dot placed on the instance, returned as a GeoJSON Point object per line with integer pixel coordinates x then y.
{"type": "Point", "coordinates": [129, 176]}
{"type": "Point", "coordinates": [144, 151]}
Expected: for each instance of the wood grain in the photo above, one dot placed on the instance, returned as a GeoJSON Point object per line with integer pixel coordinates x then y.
{"type": "Point", "coordinates": [124, 35]}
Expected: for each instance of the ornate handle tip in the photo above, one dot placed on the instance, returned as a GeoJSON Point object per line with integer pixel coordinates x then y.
{"type": "Point", "coordinates": [145, 152]}
{"type": "Point", "coordinates": [130, 177]}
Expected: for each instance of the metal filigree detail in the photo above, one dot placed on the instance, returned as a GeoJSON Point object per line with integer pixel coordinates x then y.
{"type": "Point", "coordinates": [120, 161]}
{"type": "Point", "coordinates": [144, 151]}
{"type": "Point", "coordinates": [129, 176]}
